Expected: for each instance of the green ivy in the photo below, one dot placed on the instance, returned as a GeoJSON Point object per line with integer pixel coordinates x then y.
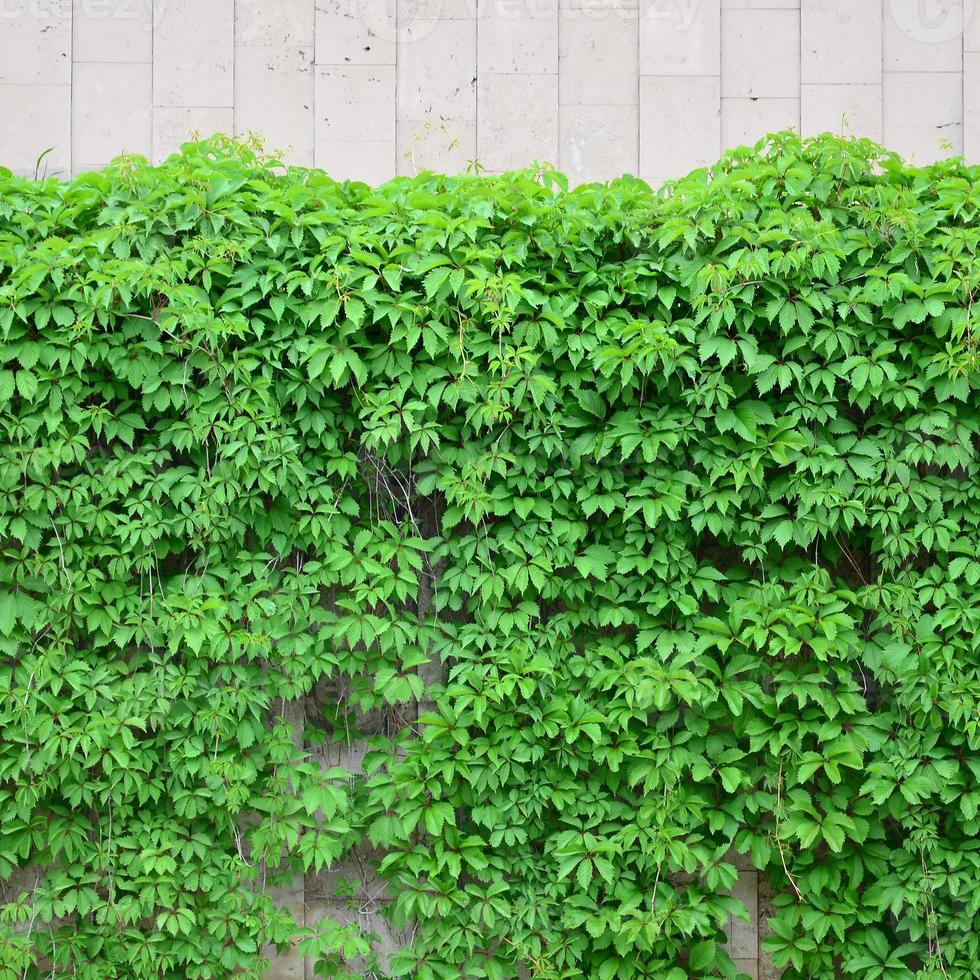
{"type": "Point", "coordinates": [681, 488]}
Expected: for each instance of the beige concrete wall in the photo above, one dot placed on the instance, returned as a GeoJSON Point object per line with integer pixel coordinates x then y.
{"type": "Point", "coordinates": [371, 88]}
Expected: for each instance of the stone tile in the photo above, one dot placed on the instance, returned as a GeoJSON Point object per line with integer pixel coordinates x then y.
{"type": "Point", "coordinates": [355, 103]}
{"type": "Point", "coordinates": [840, 41]}
{"type": "Point", "coordinates": [923, 35]}
{"type": "Point", "coordinates": [518, 37]}
{"type": "Point", "coordinates": [767, 969]}
{"type": "Point", "coordinates": [34, 118]}
{"type": "Point", "coordinates": [274, 92]}
{"type": "Point", "coordinates": [760, 54]}
{"type": "Point", "coordinates": [598, 142]}
{"type": "Point", "coordinates": [598, 59]}
{"type": "Point", "coordinates": [971, 107]}
{"type": "Point", "coordinates": [444, 146]}
{"type": "Point", "coordinates": [437, 70]}
{"type": "Point", "coordinates": [680, 126]}
{"type": "Point", "coordinates": [372, 161]}
{"type": "Point", "coordinates": [112, 30]}
{"type": "Point", "coordinates": [111, 113]}
{"type": "Point", "coordinates": [680, 39]}
{"type": "Point", "coordinates": [355, 32]}
{"type": "Point", "coordinates": [849, 110]}
{"type": "Point", "coordinates": [971, 28]}
{"type": "Point", "coordinates": [745, 121]}
{"type": "Point", "coordinates": [504, 99]}
{"type": "Point", "coordinates": [173, 126]}
{"type": "Point", "coordinates": [35, 43]}
{"type": "Point", "coordinates": [743, 937]}
{"type": "Point", "coordinates": [923, 114]}
{"type": "Point", "coordinates": [287, 23]}
{"type": "Point", "coordinates": [194, 53]}
{"type": "Point", "coordinates": [368, 918]}
{"type": "Point", "coordinates": [290, 964]}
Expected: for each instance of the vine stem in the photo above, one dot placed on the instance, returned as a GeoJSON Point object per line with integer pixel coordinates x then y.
{"type": "Point", "coordinates": [779, 843]}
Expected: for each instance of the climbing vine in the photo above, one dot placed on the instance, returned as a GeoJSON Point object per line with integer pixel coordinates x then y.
{"type": "Point", "coordinates": [625, 531]}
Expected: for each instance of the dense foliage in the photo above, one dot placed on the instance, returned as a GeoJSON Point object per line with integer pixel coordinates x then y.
{"type": "Point", "coordinates": [680, 488]}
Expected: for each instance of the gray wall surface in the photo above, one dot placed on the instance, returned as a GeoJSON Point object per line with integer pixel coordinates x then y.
{"type": "Point", "coordinates": [371, 88]}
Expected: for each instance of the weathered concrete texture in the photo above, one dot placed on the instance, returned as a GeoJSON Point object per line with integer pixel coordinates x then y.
{"type": "Point", "coordinates": [923, 37]}
{"type": "Point", "coordinates": [971, 106]}
{"type": "Point", "coordinates": [680, 39]}
{"type": "Point", "coordinates": [275, 23]}
{"type": "Point", "coordinates": [274, 96]}
{"type": "Point", "coordinates": [598, 53]}
{"type": "Point", "coordinates": [174, 125]}
{"type": "Point", "coordinates": [760, 54]}
{"type": "Point", "coordinates": [745, 120]}
{"type": "Point", "coordinates": [111, 106]}
{"type": "Point", "coordinates": [444, 145]}
{"type": "Point", "coordinates": [532, 99]}
{"type": "Point", "coordinates": [597, 142]}
{"type": "Point", "coordinates": [680, 125]}
{"type": "Point", "coordinates": [924, 114]}
{"type": "Point", "coordinates": [840, 41]}
{"type": "Point", "coordinates": [518, 38]}
{"type": "Point", "coordinates": [112, 31]}
{"type": "Point", "coordinates": [194, 53]}
{"type": "Point", "coordinates": [33, 119]}
{"type": "Point", "coordinates": [35, 43]}
{"type": "Point", "coordinates": [851, 109]}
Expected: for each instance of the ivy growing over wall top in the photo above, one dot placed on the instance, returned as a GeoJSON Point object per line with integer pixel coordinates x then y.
{"type": "Point", "coordinates": [679, 488]}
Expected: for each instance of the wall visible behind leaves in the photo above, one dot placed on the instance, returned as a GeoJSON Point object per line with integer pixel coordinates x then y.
{"type": "Point", "coordinates": [371, 88]}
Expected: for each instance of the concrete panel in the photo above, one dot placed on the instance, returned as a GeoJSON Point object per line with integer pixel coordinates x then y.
{"type": "Point", "coordinates": [445, 146]}
{"type": "Point", "coordinates": [598, 57]}
{"type": "Point", "coordinates": [923, 113]}
{"type": "Point", "coordinates": [598, 142]}
{"type": "Point", "coordinates": [760, 4]}
{"type": "Point", "coordinates": [372, 161]}
{"type": "Point", "coordinates": [111, 113]}
{"type": "Point", "coordinates": [367, 916]}
{"type": "Point", "coordinates": [847, 110]}
{"type": "Point", "coordinates": [274, 92]}
{"type": "Point", "coordinates": [531, 99]}
{"type": "Point", "coordinates": [35, 43]}
{"type": "Point", "coordinates": [34, 118]}
{"type": "Point", "coordinates": [112, 30]}
{"type": "Point", "coordinates": [173, 126]}
{"type": "Point", "coordinates": [745, 121]}
{"type": "Point", "coordinates": [760, 54]}
{"type": "Point", "coordinates": [923, 35]}
{"type": "Point", "coordinates": [355, 103]}
{"type": "Point", "coordinates": [265, 23]}
{"type": "Point", "coordinates": [513, 36]}
{"type": "Point", "coordinates": [355, 32]}
{"type": "Point", "coordinates": [971, 107]}
{"type": "Point", "coordinates": [680, 39]}
{"type": "Point", "coordinates": [971, 28]}
{"type": "Point", "coordinates": [743, 937]}
{"type": "Point", "coordinates": [840, 41]}
{"type": "Point", "coordinates": [680, 126]}
{"type": "Point", "coordinates": [437, 70]}
{"type": "Point", "coordinates": [194, 53]}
